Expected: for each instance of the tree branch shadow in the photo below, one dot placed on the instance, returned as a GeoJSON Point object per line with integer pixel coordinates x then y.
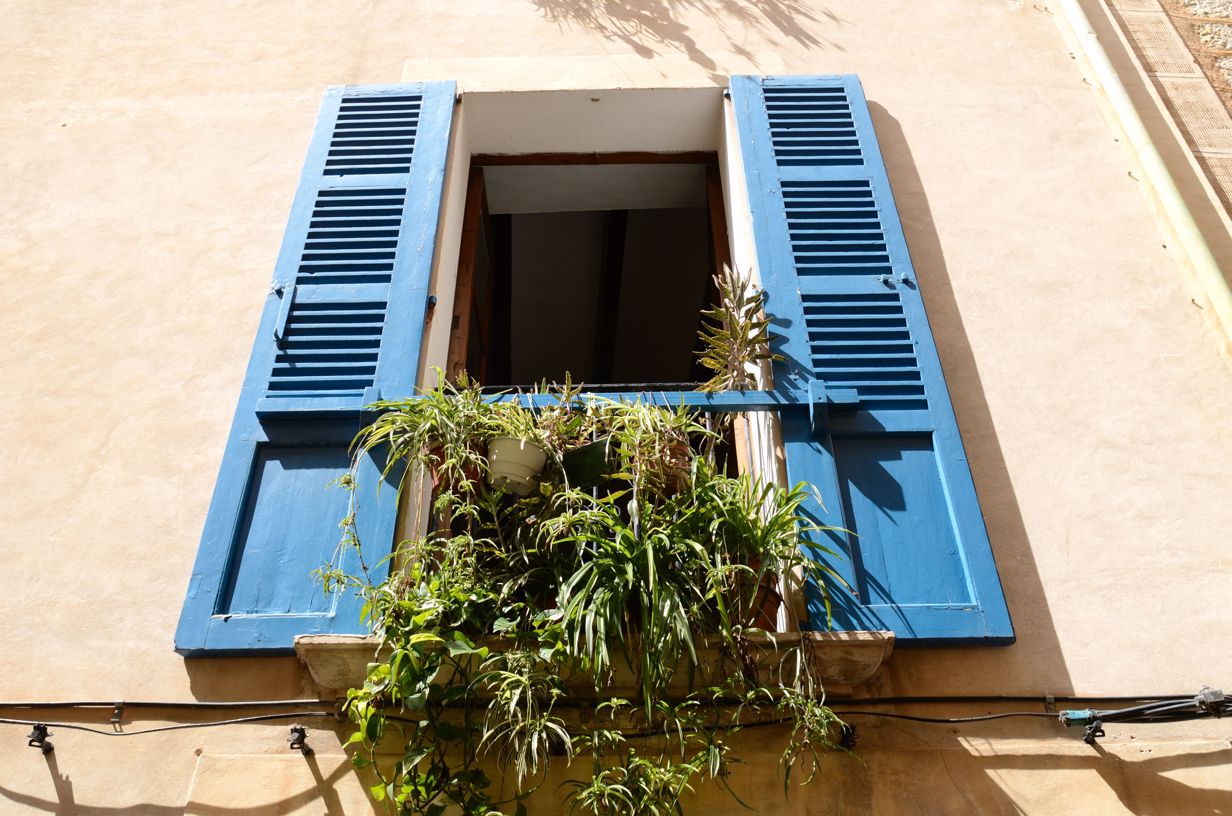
{"type": "Point", "coordinates": [653, 27]}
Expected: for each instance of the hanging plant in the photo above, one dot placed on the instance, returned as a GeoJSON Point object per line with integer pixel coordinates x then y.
{"type": "Point", "coordinates": [640, 601]}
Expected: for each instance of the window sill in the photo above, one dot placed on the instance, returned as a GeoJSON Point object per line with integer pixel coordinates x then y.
{"type": "Point", "coordinates": [843, 660]}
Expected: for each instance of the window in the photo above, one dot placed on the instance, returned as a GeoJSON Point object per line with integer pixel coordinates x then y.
{"type": "Point", "coordinates": [865, 416]}
{"type": "Point", "coordinates": [598, 269]}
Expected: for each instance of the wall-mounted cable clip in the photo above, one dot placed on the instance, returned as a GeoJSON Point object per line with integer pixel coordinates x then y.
{"type": "Point", "coordinates": [299, 740]}
{"type": "Point", "coordinates": [1211, 701]}
{"type": "Point", "coordinates": [1089, 717]}
{"type": "Point", "coordinates": [38, 739]}
{"type": "Point", "coordinates": [1093, 731]}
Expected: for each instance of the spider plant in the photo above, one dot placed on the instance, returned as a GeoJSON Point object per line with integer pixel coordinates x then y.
{"type": "Point", "coordinates": [735, 334]}
{"type": "Point", "coordinates": [521, 604]}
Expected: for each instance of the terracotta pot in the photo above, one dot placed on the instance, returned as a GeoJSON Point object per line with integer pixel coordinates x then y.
{"type": "Point", "coordinates": [472, 473]}
{"type": "Point", "coordinates": [767, 602]}
{"type": "Point", "coordinates": [766, 605]}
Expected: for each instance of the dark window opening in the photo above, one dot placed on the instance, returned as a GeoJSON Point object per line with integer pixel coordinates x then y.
{"type": "Point", "coordinates": [596, 267]}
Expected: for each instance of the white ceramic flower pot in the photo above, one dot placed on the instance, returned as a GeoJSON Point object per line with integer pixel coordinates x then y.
{"type": "Point", "coordinates": [515, 463]}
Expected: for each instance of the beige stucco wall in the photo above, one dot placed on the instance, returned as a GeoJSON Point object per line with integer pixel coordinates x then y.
{"type": "Point", "coordinates": [148, 155]}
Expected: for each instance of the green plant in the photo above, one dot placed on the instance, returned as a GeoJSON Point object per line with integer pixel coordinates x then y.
{"type": "Point", "coordinates": [641, 598]}
{"type": "Point", "coordinates": [735, 335]}
{"type": "Point", "coordinates": [443, 432]}
{"type": "Point", "coordinates": [653, 446]}
{"type": "Point", "coordinates": [569, 420]}
{"type": "Point", "coordinates": [513, 420]}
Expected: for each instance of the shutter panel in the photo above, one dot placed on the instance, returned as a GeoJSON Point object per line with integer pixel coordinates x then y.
{"type": "Point", "coordinates": [341, 327]}
{"type": "Point", "coordinates": [883, 448]}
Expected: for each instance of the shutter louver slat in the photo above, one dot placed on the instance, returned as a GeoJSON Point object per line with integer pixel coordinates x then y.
{"type": "Point", "coordinates": [352, 238]}
{"type": "Point", "coordinates": [804, 128]}
{"type": "Point", "coordinates": [394, 121]}
{"type": "Point", "coordinates": [833, 320]}
{"type": "Point", "coordinates": [814, 210]}
{"type": "Point", "coordinates": [320, 328]}
{"type": "Point", "coordinates": [335, 250]}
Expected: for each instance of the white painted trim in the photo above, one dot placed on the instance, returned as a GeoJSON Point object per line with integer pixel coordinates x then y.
{"type": "Point", "coordinates": [763, 442]}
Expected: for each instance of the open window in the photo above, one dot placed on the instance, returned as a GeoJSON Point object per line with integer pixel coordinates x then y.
{"type": "Point", "coordinates": [595, 267]}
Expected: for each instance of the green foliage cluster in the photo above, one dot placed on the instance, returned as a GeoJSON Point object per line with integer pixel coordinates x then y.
{"type": "Point", "coordinates": [506, 628]}
{"type": "Point", "coordinates": [735, 335]}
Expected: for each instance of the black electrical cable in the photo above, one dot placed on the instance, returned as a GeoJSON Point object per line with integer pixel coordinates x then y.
{"type": "Point", "coordinates": [178, 727]}
{"type": "Point", "coordinates": [932, 720]}
{"type": "Point", "coordinates": [202, 704]}
{"type": "Point", "coordinates": [1148, 707]}
{"type": "Point", "coordinates": [1175, 709]}
{"type": "Point", "coordinates": [958, 698]}
{"type": "Point", "coordinates": [659, 732]}
{"type": "Point", "coordinates": [943, 720]}
{"type": "Point", "coordinates": [1109, 716]}
{"type": "Point", "coordinates": [1207, 703]}
{"type": "Point", "coordinates": [1010, 698]}
{"type": "Point", "coordinates": [1166, 710]}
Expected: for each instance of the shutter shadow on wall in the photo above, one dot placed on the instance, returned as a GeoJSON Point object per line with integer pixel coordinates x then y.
{"type": "Point", "coordinates": [341, 327]}
{"type": "Point", "coordinates": [886, 459]}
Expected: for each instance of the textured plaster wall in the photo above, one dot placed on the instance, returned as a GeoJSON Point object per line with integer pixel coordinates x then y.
{"type": "Point", "coordinates": [149, 153]}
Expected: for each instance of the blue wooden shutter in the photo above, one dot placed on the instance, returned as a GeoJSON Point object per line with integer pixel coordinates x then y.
{"type": "Point", "coordinates": [341, 327]}
{"type": "Point", "coordinates": [882, 447]}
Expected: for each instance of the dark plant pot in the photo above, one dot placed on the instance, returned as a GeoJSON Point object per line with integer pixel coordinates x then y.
{"type": "Point", "coordinates": [588, 465]}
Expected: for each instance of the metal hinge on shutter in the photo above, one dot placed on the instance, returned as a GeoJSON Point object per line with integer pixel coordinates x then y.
{"type": "Point", "coordinates": [287, 293]}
